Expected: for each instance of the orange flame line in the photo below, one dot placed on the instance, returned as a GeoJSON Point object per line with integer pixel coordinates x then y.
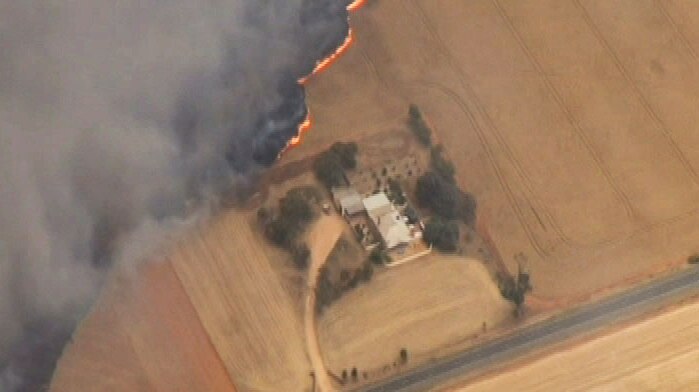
{"type": "Point", "coordinates": [307, 123]}
{"type": "Point", "coordinates": [356, 4]}
{"type": "Point", "coordinates": [303, 127]}
{"type": "Point", "coordinates": [328, 61]}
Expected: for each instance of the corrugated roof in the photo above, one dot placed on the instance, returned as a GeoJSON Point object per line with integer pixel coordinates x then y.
{"type": "Point", "coordinates": [376, 202]}
{"type": "Point", "coordinates": [352, 204]}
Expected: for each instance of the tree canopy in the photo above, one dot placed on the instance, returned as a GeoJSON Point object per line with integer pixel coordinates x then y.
{"type": "Point", "coordinates": [330, 166]}
{"type": "Point", "coordinates": [445, 199]}
{"type": "Point", "coordinates": [441, 165]}
{"type": "Point", "coordinates": [347, 153]}
{"type": "Point", "coordinates": [442, 234]}
{"type": "Point", "coordinates": [294, 214]}
{"type": "Point", "coordinates": [418, 126]}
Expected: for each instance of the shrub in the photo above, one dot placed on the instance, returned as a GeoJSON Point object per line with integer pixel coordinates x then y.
{"type": "Point", "coordinates": [378, 256]}
{"type": "Point", "coordinates": [396, 192]}
{"type": "Point", "coordinates": [418, 126]}
{"type": "Point", "coordinates": [411, 214]}
{"type": "Point", "coordinates": [403, 356]}
{"type": "Point", "coordinates": [693, 259]}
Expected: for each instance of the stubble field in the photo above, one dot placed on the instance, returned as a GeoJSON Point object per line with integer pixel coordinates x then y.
{"type": "Point", "coordinates": [144, 335]}
{"type": "Point", "coordinates": [655, 355]}
{"type": "Point", "coordinates": [428, 307]}
{"type": "Point", "coordinates": [217, 313]}
{"type": "Point", "coordinates": [250, 317]}
{"type": "Point", "coordinates": [572, 121]}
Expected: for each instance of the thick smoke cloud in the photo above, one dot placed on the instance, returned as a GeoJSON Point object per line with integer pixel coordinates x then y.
{"type": "Point", "coordinates": [115, 118]}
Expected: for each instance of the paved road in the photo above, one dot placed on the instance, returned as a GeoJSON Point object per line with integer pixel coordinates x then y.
{"type": "Point", "coordinates": [588, 318]}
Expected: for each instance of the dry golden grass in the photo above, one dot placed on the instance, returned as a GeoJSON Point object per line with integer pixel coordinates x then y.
{"type": "Point", "coordinates": [143, 335]}
{"type": "Point", "coordinates": [216, 313]}
{"type": "Point", "coordinates": [422, 306]}
{"type": "Point", "coordinates": [573, 122]}
{"type": "Point", "coordinates": [243, 306]}
{"type": "Point", "coordinates": [659, 354]}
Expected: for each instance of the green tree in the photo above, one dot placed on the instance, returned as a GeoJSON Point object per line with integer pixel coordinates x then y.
{"type": "Point", "coordinates": [366, 272]}
{"type": "Point", "coordinates": [295, 209]}
{"type": "Point", "coordinates": [445, 199]}
{"type": "Point", "coordinates": [411, 214]}
{"type": "Point", "coordinates": [396, 192]}
{"type": "Point", "coordinates": [280, 232]}
{"type": "Point", "coordinates": [515, 290]}
{"type": "Point", "coordinates": [418, 126]}
{"type": "Point", "coordinates": [329, 170]}
{"type": "Point", "coordinates": [347, 153]}
{"type": "Point", "coordinates": [443, 235]}
{"type": "Point", "coordinates": [403, 356]}
{"type": "Point", "coordinates": [414, 112]}
{"type": "Point", "coordinates": [441, 165]}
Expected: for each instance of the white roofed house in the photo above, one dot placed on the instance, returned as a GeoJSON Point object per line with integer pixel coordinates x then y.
{"type": "Point", "coordinates": [394, 231]}
{"type": "Point", "coordinates": [389, 223]}
{"type": "Point", "coordinates": [377, 205]}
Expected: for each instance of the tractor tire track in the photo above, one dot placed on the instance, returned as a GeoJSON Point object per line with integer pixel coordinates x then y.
{"type": "Point", "coordinates": [538, 247]}
{"type": "Point", "coordinates": [479, 106]}
{"type": "Point", "coordinates": [678, 30]}
{"type": "Point", "coordinates": [639, 231]}
{"type": "Point", "coordinates": [373, 70]}
{"type": "Point", "coordinates": [579, 131]}
{"type": "Point", "coordinates": [503, 145]}
{"type": "Point", "coordinates": [657, 122]}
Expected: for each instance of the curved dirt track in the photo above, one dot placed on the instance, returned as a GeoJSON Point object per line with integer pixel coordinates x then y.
{"type": "Point", "coordinates": [321, 239]}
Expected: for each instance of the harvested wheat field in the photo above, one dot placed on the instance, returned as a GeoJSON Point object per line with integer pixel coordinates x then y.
{"type": "Point", "coordinates": [659, 354]}
{"type": "Point", "coordinates": [214, 315]}
{"type": "Point", "coordinates": [143, 335]}
{"type": "Point", "coordinates": [422, 306]}
{"type": "Point", "coordinates": [257, 330]}
{"type": "Point", "coordinates": [574, 123]}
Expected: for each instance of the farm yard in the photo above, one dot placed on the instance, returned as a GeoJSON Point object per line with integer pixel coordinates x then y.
{"type": "Point", "coordinates": [573, 123]}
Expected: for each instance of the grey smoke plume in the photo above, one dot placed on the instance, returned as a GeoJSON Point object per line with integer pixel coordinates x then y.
{"type": "Point", "coordinates": [114, 116]}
